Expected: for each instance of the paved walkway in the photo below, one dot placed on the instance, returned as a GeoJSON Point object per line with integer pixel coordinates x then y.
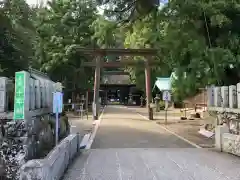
{"type": "Point", "coordinates": [127, 147]}
{"type": "Point", "coordinates": [123, 128]}
{"type": "Point", "coordinates": [154, 164]}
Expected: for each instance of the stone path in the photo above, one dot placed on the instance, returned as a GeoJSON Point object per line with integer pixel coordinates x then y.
{"type": "Point", "coordinates": [122, 128]}
{"type": "Point", "coordinates": [154, 164]}
{"type": "Point", "coordinates": [127, 147]}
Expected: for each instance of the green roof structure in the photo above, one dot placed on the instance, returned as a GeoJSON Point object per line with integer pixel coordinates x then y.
{"type": "Point", "coordinates": [164, 83]}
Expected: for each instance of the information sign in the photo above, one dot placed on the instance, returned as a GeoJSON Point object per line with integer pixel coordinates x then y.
{"type": "Point", "coordinates": [57, 102]}
{"type": "Point", "coordinates": [57, 108]}
{"type": "Point", "coordinates": [166, 96]}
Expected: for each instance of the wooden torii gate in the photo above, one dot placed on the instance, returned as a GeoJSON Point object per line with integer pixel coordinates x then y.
{"type": "Point", "coordinates": [97, 63]}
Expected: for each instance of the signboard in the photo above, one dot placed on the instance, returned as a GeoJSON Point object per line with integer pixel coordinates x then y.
{"type": "Point", "coordinates": [166, 96]}
{"type": "Point", "coordinates": [57, 108]}
{"type": "Point", "coordinates": [19, 96]}
{"type": "Point", "coordinates": [57, 102]}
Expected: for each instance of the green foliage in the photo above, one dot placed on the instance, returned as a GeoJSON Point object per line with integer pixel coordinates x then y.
{"type": "Point", "coordinates": [105, 32]}
{"type": "Point", "coordinates": [199, 38]}
{"type": "Point", "coordinates": [127, 11]}
{"type": "Point", "coordinates": [17, 37]}
{"type": "Point", "coordinates": [162, 105]}
{"type": "Point", "coordinates": [202, 40]}
{"type": "Point", "coordinates": [47, 38]}
{"type": "Point", "coordinates": [61, 29]}
{"type": "Point", "coordinates": [196, 38]}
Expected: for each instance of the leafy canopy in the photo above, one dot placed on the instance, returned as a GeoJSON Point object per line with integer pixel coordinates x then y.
{"type": "Point", "coordinates": [196, 38]}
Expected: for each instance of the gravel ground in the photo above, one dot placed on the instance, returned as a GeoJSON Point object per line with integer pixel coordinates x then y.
{"type": "Point", "coordinates": [185, 128]}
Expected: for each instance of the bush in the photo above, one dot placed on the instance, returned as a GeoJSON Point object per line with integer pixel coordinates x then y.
{"type": "Point", "coordinates": [162, 105]}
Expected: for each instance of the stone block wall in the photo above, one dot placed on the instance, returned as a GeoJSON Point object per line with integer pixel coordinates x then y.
{"type": "Point", "coordinates": [231, 143]}
{"type": "Point", "coordinates": [226, 142]}
{"type": "Point", "coordinates": [55, 164]}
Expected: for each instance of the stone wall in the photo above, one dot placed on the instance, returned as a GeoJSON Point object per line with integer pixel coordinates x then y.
{"type": "Point", "coordinates": [226, 142]}
{"type": "Point", "coordinates": [231, 143]}
{"type": "Point", "coordinates": [224, 101]}
{"type": "Point", "coordinates": [55, 164]}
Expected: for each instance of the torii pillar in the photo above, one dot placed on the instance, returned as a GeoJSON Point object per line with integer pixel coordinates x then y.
{"type": "Point", "coordinates": [148, 88]}
{"type": "Point", "coordinates": [96, 104]}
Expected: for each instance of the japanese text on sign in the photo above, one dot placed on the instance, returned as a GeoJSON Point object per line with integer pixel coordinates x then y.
{"type": "Point", "coordinates": [19, 96]}
{"type": "Point", "coordinates": [166, 96]}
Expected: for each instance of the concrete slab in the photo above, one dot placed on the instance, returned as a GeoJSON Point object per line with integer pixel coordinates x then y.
{"type": "Point", "coordinates": [154, 164]}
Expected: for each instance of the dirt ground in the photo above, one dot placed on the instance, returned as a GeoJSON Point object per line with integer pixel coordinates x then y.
{"type": "Point", "coordinates": [185, 128]}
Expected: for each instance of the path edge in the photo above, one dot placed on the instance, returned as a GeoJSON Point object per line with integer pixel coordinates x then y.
{"type": "Point", "coordinates": [172, 132]}
{"type": "Point", "coordinates": [96, 124]}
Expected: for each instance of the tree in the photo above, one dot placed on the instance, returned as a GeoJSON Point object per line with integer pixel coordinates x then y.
{"type": "Point", "coordinates": [61, 28]}
{"type": "Point", "coordinates": [199, 38]}
{"type": "Point", "coordinates": [127, 11]}
{"type": "Point", "coordinates": [17, 35]}
{"type": "Point", "coordinates": [199, 41]}
{"type": "Point", "coordinates": [196, 38]}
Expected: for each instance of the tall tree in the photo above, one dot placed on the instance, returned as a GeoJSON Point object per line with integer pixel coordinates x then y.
{"type": "Point", "coordinates": [17, 36]}
{"type": "Point", "coordinates": [61, 28]}
{"type": "Point", "coordinates": [196, 38]}
{"type": "Point", "coordinates": [125, 11]}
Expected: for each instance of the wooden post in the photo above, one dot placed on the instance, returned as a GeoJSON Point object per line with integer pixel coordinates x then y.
{"type": "Point", "coordinates": [106, 97]}
{"type": "Point", "coordinates": [148, 89]}
{"type": "Point", "coordinates": [96, 89]}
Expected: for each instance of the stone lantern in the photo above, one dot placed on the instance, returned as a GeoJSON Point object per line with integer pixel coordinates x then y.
{"type": "Point", "coordinates": [142, 100]}
{"type": "Point", "coordinates": [130, 99]}
{"type": "Point", "coordinates": [157, 100]}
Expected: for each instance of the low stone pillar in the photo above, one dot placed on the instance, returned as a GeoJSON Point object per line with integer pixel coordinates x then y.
{"type": "Point", "coordinates": [157, 100]}
{"type": "Point", "coordinates": [130, 101]}
{"type": "Point", "coordinates": [219, 131]}
{"type": "Point", "coordinates": [141, 99]}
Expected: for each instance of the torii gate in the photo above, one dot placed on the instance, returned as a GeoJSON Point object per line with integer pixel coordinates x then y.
{"type": "Point", "coordinates": [99, 53]}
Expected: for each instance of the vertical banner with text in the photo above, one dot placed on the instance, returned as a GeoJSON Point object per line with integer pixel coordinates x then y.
{"type": "Point", "coordinates": [19, 98]}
